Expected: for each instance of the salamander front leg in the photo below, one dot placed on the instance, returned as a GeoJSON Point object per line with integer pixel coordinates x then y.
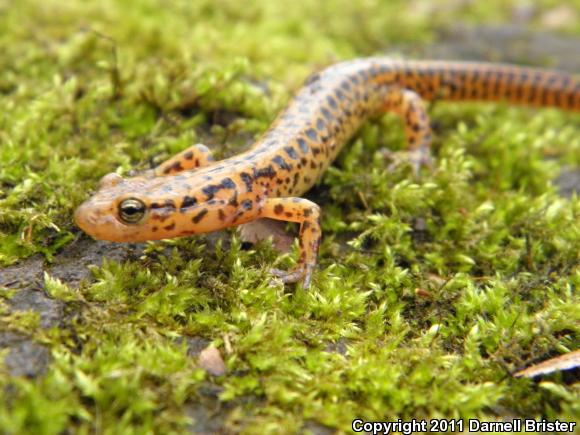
{"type": "Point", "coordinates": [196, 156]}
{"type": "Point", "coordinates": [410, 107]}
{"type": "Point", "coordinates": [307, 214]}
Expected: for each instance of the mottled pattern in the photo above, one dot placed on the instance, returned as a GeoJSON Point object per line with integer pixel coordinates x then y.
{"type": "Point", "coordinates": [191, 194]}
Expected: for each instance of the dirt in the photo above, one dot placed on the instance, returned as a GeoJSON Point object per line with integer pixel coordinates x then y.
{"type": "Point", "coordinates": [207, 413]}
{"type": "Point", "coordinates": [25, 281]}
{"type": "Point", "coordinates": [568, 182]}
{"type": "Point", "coordinates": [510, 44]}
{"type": "Point", "coordinates": [26, 358]}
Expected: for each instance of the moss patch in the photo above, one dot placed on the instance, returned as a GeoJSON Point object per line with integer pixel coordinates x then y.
{"type": "Point", "coordinates": [427, 293]}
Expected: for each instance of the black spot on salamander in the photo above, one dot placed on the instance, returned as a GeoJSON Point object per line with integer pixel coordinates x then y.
{"type": "Point", "coordinates": [227, 183]}
{"type": "Point", "coordinates": [211, 190]}
{"type": "Point", "coordinates": [267, 172]}
{"type": "Point", "coordinates": [282, 163]}
{"type": "Point", "coordinates": [311, 133]}
{"type": "Point", "coordinates": [169, 204]}
{"type": "Point", "coordinates": [247, 204]}
{"type": "Point", "coordinates": [278, 209]}
{"type": "Point", "coordinates": [295, 181]}
{"type": "Point", "coordinates": [339, 95]}
{"type": "Point", "coordinates": [170, 226]}
{"type": "Point", "coordinates": [345, 85]}
{"type": "Point", "coordinates": [312, 78]}
{"type": "Point", "coordinates": [307, 212]}
{"type": "Point", "coordinates": [316, 151]}
{"type": "Point", "coordinates": [320, 124]}
{"type": "Point", "coordinates": [221, 215]}
{"type": "Point", "coordinates": [326, 113]}
{"type": "Point", "coordinates": [188, 201]}
{"type": "Point", "coordinates": [155, 205]}
{"type": "Point", "coordinates": [303, 145]}
{"type": "Point", "coordinates": [291, 153]}
{"type": "Point", "coordinates": [332, 102]}
{"type": "Point", "coordinates": [198, 217]}
{"type": "Point", "coordinates": [234, 200]}
{"type": "Point", "coordinates": [248, 180]}
{"type": "Point", "coordinates": [173, 167]}
{"type": "Point", "coordinates": [188, 155]}
{"type": "Point", "coordinates": [161, 217]}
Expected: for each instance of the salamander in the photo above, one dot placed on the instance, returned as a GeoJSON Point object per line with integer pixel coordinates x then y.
{"type": "Point", "coordinates": [191, 193]}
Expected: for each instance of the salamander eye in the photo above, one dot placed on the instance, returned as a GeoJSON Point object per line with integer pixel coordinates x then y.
{"type": "Point", "coordinates": [131, 210]}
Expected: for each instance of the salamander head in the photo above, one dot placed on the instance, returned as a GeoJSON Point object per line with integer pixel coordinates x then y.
{"type": "Point", "coordinates": [145, 208]}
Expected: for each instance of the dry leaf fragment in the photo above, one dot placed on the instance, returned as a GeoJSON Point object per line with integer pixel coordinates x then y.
{"type": "Point", "coordinates": [211, 361]}
{"type": "Point", "coordinates": [563, 362]}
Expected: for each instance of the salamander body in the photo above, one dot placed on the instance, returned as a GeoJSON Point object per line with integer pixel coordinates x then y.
{"type": "Point", "coordinates": [191, 193]}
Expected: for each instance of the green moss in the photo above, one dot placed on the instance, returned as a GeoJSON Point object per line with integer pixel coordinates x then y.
{"type": "Point", "coordinates": [427, 290]}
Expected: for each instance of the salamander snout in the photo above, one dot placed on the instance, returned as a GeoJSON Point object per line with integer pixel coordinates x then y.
{"type": "Point", "coordinates": [97, 221]}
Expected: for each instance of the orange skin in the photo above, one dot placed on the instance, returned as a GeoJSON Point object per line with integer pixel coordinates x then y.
{"type": "Point", "coordinates": [191, 194]}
